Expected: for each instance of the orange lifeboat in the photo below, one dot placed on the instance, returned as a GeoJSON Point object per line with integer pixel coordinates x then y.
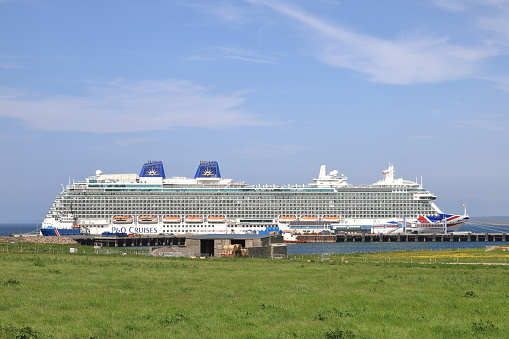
{"type": "Point", "coordinates": [216, 219]}
{"type": "Point", "coordinates": [331, 219]}
{"type": "Point", "coordinates": [147, 219]}
{"type": "Point", "coordinates": [167, 220]}
{"type": "Point", "coordinates": [122, 219]}
{"type": "Point", "coordinates": [194, 219]}
{"type": "Point", "coordinates": [309, 218]}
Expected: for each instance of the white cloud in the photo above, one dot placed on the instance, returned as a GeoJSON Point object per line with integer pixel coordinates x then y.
{"type": "Point", "coordinates": [228, 12]}
{"type": "Point", "coordinates": [225, 11]}
{"type": "Point", "coordinates": [425, 137]}
{"type": "Point", "coordinates": [404, 61]}
{"type": "Point", "coordinates": [15, 137]}
{"type": "Point", "coordinates": [502, 85]}
{"type": "Point", "coordinates": [9, 65]}
{"type": "Point", "coordinates": [463, 5]}
{"type": "Point", "coordinates": [499, 24]}
{"type": "Point", "coordinates": [452, 5]}
{"type": "Point", "coordinates": [490, 15]}
{"type": "Point", "coordinates": [134, 141]}
{"type": "Point", "coordinates": [130, 107]}
{"type": "Point", "coordinates": [238, 53]}
{"type": "Point", "coordinates": [10, 61]}
{"type": "Point", "coordinates": [490, 122]}
{"type": "Point", "coordinates": [262, 150]}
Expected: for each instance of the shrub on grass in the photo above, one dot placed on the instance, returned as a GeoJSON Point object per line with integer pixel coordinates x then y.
{"type": "Point", "coordinates": [39, 262]}
{"type": "Point", "coordinates": [20, 332]}
{"type": "Point", "coordinates": [338, 334]}
{"type": "Point", "coordinates": [173, 319]}
{"type": "Point", "coordinates": [483, 326]}
{"type": "Point", "coordinates": [10, 281]}
{"type": "Point", "coordinates": [334, 313]}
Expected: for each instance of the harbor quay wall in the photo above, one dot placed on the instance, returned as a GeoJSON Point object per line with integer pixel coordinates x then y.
{"type": "Point", "coordinates": [165, 240]}
{"type": "Point", "coordinates": [266, 242]}
{"type": "Point", "coordinates": [273, 251]}
{"type": "Point", "coordinates": [405, 237]}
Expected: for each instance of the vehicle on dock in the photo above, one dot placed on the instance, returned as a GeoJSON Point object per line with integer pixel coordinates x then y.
{"type": "Point", "coordinates": [292, 238]}
{"type": "Point", "coordinates": [110, 234]}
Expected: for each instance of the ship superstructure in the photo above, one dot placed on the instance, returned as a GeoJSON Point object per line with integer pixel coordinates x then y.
{"type": "Point", "coordinates": [150, 203]}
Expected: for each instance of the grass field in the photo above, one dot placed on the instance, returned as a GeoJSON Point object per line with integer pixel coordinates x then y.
{"type": "Point", "coordinates": [46, 292]}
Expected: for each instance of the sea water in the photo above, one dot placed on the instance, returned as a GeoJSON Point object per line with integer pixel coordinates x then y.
{"type": "Point", "coordinates": [17, 228]}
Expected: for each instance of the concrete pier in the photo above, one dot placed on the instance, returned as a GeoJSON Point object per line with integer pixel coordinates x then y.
{"type": "Point", "coordinates": [431, 237]}
{"type": "Point", "coordinates": [164, 240]}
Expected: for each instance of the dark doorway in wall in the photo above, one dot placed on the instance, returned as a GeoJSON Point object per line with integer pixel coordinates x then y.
{"type": "Point", "coordinates": [241, 242]}
{"type": "Point", "coordinates": [207, 247]}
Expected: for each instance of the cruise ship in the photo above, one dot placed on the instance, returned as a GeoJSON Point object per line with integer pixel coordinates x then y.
{"type": "Point", "coordinates": [151, 204]}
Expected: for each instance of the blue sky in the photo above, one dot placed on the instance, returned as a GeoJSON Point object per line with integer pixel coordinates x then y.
{"type": "Point", "coordinates": [270, 89]}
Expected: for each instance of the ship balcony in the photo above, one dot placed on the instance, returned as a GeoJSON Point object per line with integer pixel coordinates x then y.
{"type": "Point", "coordinates": [424, 197]}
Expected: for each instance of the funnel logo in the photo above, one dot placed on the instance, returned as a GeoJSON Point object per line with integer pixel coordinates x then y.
{"type": "Point", "coordinates": [207, 169]}
{"type": "Point", "coordinates": [207, 173]}
{"type": "Point", "coordinates": [152, 171]}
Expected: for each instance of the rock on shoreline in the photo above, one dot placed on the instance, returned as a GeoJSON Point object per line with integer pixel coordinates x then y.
{"type": "Point", "coordinates": [39, 239]}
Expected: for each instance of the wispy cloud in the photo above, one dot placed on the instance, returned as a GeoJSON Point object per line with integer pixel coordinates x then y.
{"type": "Point", "coordinates": [497, 23]}
{"type": "Point", "coordinates": [9, 61]}
{"type": "Point", "coordinates": [225, 11]}
{"type": "Point", "coordinates": [9, 65]}
{"type": "Point", "coordinates": [403, 61]}
{"type": "Point", "coordinates": [262, 150]}
{"type": "Point", "coordinates": [453, 5]}
{"type": "Point", "coordinates": [228, 12]}
{"type": "Point", "coordinates": [489, 15]}
{"type": "Point", "coordinates": [15, 137]}
{"type": "Point", "coordinates": [463, 5]}
{"type": "Point", "coordinates": [490, 122]}
{"type": "Point", "coordinates": [238, 53]}
{"type": "Point", "coordinates": [122, 106]}
{"type": "Point", "coordinates": [425, 137]}
{"type": "Point", "coordinates": [134, 141]}
{"type": "Point", "coordinates": [501, 83]}
{"type": "Point", "coordinates": [331, 2]}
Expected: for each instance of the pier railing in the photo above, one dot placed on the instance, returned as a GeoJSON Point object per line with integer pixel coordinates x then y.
{"type": "Point", "coordinates": [405, 237]}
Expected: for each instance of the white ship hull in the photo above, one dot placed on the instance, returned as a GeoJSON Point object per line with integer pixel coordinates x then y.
{"type": "Point", "coordinates": [224, 228]}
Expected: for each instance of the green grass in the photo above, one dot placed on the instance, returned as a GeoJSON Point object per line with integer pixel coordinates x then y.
{"type": "Point", "coordinates": [450, 256]}
{"type": "Point", "coordinates": [382, 295]}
